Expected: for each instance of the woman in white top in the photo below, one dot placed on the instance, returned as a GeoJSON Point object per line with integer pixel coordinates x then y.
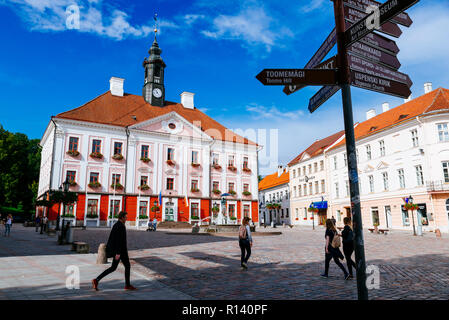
{"type": "Point", "coordinates": [245, 242]}
{"type": "Point", "coordinates": [8, 225]}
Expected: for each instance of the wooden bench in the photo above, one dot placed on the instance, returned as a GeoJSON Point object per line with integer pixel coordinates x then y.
{"type": "Point", "coordinates": [80, 247]}
{"type": "Point", "coordinates": [384, 231]}
{"type": "Point", "coordinates": [371, 230]}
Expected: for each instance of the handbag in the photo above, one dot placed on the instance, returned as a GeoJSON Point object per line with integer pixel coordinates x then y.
{"type": "Point", "coordinates": [336, 241]}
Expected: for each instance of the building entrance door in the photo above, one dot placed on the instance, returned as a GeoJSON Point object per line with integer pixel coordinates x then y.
{"type": "Point", "coordinates": [388, 216]}
{"type": "Point", "coordinates": [170, 211]}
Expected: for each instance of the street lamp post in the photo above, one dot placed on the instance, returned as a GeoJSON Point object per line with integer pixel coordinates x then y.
{"type": "Point", "coordinates": [313, 218]}
{"type": "Point", "coordinates": [66, 185]}
{"type": "Point", "coordinates": [410, 199]}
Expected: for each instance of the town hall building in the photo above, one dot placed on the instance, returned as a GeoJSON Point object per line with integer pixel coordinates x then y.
{"type": "Point", "coordinates": [147, 156]}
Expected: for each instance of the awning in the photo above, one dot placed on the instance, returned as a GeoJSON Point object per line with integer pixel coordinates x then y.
{"type": "Point", "coordinates": [320, 205]}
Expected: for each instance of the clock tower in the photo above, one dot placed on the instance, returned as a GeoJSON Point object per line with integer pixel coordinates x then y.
{"type": "Point", "coordinates": [153, 88]}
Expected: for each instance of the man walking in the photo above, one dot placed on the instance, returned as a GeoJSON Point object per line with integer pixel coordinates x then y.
{"type": "Point", "coordinates": [116, 248]}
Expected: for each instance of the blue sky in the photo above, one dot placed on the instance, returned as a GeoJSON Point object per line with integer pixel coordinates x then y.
{"type": "Point", "coordinates": [212, 48]}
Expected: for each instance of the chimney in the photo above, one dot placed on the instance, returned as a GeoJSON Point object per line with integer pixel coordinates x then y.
{"type": "Point", "coordinates": [427, 87]}
{"type": "Point", "coordinates": [187, 100]}
{"type": "Point", "coordinates": [370, 114]}
{"type": "Point", "coordinates": [280, 170]}
{"type": "Point", "coordinates": [385, 106]}
{"type": "Point", "coordinates": [408, 99]}
{"type": "Point", "coordinates": [116, 86]}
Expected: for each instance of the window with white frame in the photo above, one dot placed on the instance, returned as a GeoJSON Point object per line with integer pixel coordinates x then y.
{"type": "Point", "coordinates": [317, 189]}
{"type": "Point", "coordinates": [335, 163]}
{"type": "Point", "coordinates": [368, 152]}
{"type": "Point", "coordinates": [294, 191]}
{"type": "Point", "coordinates": [321, 165]}
{"type": "Point", "coordinates": [215, 158]}
{"type": "Point", "coordinates": [245, 163]}
{"type": "Point", "coordinates": [419, 175]}
{"type": "Point", "coordinates": [315, 167]}
{"type": "Point", "coordinates": [195, 157]}
{"type": "Point", "coordinates": [310, 188]}
{"type": "Point", "coordinates": [305, 189]}
{"type": "Point", "coordinates": [171, 154]}
{"type": "Point", "coordinates": [323, 186]}
{"type": "Point", "coordinates": [92, 207]}
{"type": "Point", "coordinates": [337, 191]}
{"type": "Point", "coordinates": [230, 161]}
{"type": "Point", "coordinates": [401, 178]}
{"type": "Point", "coordinates": [385, 179]}
{"type": "Point", "coordinates": [382, 148]}
{"type": "Point", "coordinates": [347, 187]}
{"type": "Point", "coordinates": [294, 173]}
{"type": "Point", "coordinates": [304, 170]}
{"type": "Point", "coordinates": [310, 168]}
{"type": "Point", "coordinates": [415, 140]}
{"type": "Point", "coordinates": [371, 183]}
{"type": "Point", "coordinates": [443, 133]}
{"type": "Point", "coordinates": [143, 209]}
{"type": "Point", "coordinates": [299, 191]}
{"type": "Point", "coordinates": [345, 159]}
{"type": "Point", "coordinates": [446, 171]}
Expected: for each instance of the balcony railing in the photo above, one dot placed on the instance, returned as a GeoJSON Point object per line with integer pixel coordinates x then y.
{"type": "Point", "coordinates": [437, 185]}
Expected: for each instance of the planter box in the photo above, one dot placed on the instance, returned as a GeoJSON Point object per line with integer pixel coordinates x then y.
{"type": "Point", "coordinates": [142, 222]}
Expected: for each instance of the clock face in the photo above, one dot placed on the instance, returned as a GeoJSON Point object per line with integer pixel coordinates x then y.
{"type": "Point", "coordinates": [157, 93]}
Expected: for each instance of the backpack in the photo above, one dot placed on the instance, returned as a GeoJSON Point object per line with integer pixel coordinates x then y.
{"type": "Point", "coordinates": [242, 232]}
{"type": "Point", "coordinates": [336, 241]}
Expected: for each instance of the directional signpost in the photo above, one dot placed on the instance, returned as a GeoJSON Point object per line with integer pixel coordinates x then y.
{"type": "Point", "coordinates": [366, 60]}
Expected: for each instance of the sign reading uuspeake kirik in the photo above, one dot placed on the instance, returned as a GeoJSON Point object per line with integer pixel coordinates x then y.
{"type": "Point", "coordinates": [378, 84]}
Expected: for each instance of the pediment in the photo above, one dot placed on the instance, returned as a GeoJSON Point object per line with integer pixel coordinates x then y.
{"type": "Point", "coordinates": [305, 156]}
{"type": "Point", "coordinates": [171, 123]}
{"type": "Point", "coordinates": [382, 165]}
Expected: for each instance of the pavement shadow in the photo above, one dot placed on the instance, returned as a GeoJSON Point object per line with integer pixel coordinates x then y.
{"type": "Point", "coordinates": [212, 276]}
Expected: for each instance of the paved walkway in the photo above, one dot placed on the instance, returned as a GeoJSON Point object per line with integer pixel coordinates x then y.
{"type": "Point", "coordinates": [166, 265]}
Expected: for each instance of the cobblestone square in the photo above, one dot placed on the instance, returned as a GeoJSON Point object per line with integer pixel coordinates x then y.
{"type": "Point", "coordinates": [178, 265]}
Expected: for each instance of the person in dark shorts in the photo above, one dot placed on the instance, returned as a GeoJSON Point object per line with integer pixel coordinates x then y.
{"type": "Point", "coordinates": [331, 252]}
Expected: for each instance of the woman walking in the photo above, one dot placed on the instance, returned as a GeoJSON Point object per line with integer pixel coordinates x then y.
{"type": "Point", "coordinates": [8, 225]}
{"type": "Point", "coordinates": [332, 250]}
{"type": "Point", "coordinates": [245, 242]}
{"type": "Point", "coordinates": [348, 245]}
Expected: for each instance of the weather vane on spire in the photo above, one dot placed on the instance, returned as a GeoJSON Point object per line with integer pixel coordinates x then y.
{"type": "Point", "coordinates": [155, 25]}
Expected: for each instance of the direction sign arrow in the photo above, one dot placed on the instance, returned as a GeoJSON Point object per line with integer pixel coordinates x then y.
{"type": "Point", "coordinates": [386, 11]}
{"type": "Point", "coordinates": [368, 67]}
{"type": "Point", "coordinates": [380, 43]}
{"type": "Point", "coordinates": [353, 15]}
{"type": "Point", "coordinates": [375, 55]}
{"type": "Point", "coordinates": [402, 18]}
{"type": "Point", "coordinates": [379, 84]}
{"type": "Point", "coordinates": [276, 77]}
{"type": "Point", "coordinates": [324, 94]}
{"type": "Point", "coordinates": [324, 49]}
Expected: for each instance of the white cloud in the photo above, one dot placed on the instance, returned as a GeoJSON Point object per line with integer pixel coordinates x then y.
{"type": "Point", "coordinates": [252, 25]}
{"type": "Point", "coordinates": [259, 112]}
{"type": "Point", "coordinates": [313, 5]}
{"type": "Point", "coordinates": [96, 18]}
{"type": "Point", "coordinates": [426, 39]}
{"type": "Point", "coordinates": [192, 18]}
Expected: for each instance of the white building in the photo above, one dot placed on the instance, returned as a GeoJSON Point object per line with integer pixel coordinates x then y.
{"type": "Point", "coordinates": [147, 156]}
{"type": "Point", "coordinates": [402, 152]}
{"type": "Point", "coordinates": [274, 190]}
{"type": "Point", "coordinates": [308, 182]}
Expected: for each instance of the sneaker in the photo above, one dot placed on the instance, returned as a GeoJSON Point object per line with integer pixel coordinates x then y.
{"type": "Point", "coordinates": [244, 265]}
{"type": "Point", "coordinates": [130, 287]}
{"type": "Point", "coordinates": [325, 275]}
{"type": "Point", "coordinates": [347, 277]}
{"type": "Point", "coordinates": [95, 284]}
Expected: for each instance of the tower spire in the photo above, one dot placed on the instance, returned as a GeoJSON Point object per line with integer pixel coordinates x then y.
{"type": "Point", "coordinates": [155, 27]}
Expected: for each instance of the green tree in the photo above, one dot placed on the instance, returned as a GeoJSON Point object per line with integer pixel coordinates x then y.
{"type": "Point", "coordinates": [19, 168]}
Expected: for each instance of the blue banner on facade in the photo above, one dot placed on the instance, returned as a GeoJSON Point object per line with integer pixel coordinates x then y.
{"type": "Point", "coordinates": [320, 205]}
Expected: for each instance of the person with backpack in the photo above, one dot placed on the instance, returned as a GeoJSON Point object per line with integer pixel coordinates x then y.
{"type": "Point", "coordinates": [348, 245]}
{"type": "Point", "coordinates": [116, 248]}
{"type": "Point", "coordinates": [332, 250]}
{"type": "Point", "coordinates": [245, 242]}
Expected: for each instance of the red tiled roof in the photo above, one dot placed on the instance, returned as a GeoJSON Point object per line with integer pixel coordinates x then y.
{"type": "Point", "coordinates": [434, 101]}
{"type": "Point", "coordinates": [273, 180]}
{"type": "Point", "coordinates": [119, 111]}
{"type": "Point", "coordinates": [318, 147]}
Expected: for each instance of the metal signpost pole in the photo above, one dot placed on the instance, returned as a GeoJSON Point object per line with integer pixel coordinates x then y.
{"type": "Point", "coordinates": [344, 82]}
